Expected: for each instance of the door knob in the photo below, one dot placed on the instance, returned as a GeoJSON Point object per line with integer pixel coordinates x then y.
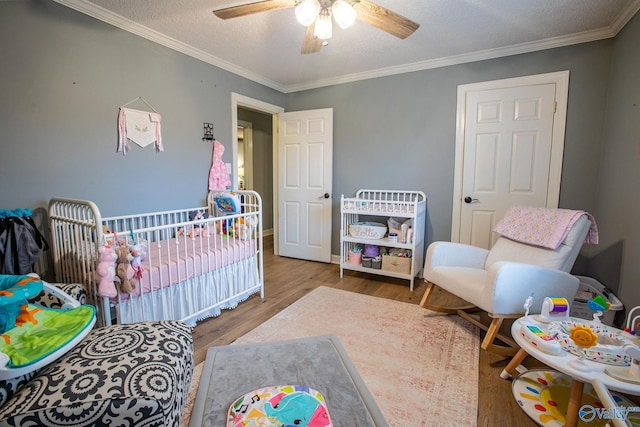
{"type": "Point", "coordinates": [325, 196]}
{"type": "Point", "coordinates": [470, 200]}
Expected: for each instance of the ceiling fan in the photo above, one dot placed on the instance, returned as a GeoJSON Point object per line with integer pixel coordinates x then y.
{"type": "Point", "coordinates": [316, 16]}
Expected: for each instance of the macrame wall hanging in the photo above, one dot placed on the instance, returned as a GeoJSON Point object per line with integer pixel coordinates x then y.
{"type": "Point", "coordinates": [139, 127]}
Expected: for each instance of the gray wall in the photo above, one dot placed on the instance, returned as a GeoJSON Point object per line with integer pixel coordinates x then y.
{"type": "Point", "coordinates": [399, 132]}
{"type": "Point", "coordinates": [62, 79]}
{"type": "Point", "coordinates": [64, 75]}
{"type": "Point", "coordinates": [618, 201]}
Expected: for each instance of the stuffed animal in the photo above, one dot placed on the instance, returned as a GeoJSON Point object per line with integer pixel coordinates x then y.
{"type": "Point", "coordinates": [108, 236]}
{"type": "Point", "coordinates": [198, 229]}
{"type": "Point", "coordinates": [124, 270]}
{"type": "Point", "coordinates": [106, 271]}
{"type": "Point", "coordinates": [245, 227]}
{"type": "Point", "coordinates": [198, 232]}
{"type": "Point", "coordinates": [138, 253]}
{"type": "Point", "coordinates": [227, 227]}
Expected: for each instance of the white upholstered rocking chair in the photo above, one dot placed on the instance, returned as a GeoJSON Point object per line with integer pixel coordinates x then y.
{"type": "Point", "coordinates": [498, 281]}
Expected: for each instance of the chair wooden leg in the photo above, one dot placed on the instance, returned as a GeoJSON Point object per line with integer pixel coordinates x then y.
{"type": "Point", "coordinates": [493, 332]}
{"type": "Point", "coordinates": [427, 293]}
{"type": "Point", "coordinates": [450, 310]}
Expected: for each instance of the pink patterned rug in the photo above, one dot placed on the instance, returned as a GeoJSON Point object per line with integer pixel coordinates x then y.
{"type": "Point", "coordinates": [420, 366]}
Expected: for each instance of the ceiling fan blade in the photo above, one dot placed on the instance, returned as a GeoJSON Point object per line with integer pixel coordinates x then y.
{"type": "Point", "coordinates": [251, 8]}
{"type": "Point", "coordinates": [384, 19]}
{"type": "Point", "coordinates": [310, 43]}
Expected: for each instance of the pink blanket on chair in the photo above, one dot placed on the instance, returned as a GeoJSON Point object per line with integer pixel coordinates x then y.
{"type": "Point", "coordinates": [542, 226]}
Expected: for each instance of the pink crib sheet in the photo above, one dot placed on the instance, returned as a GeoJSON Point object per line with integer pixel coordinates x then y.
{"type": "Point", "coordinates": [173, 261]}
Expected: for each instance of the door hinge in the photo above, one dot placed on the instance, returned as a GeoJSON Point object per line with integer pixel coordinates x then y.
{"type": "Point", "coordinates": [555, 106]}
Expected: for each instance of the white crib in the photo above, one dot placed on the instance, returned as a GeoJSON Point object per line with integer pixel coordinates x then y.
{"type": "Point", "coordinates": [193, 268]}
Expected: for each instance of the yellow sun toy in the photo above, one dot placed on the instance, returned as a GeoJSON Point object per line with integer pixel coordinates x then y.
{"type": "Point", "coordinates": [583, 336]}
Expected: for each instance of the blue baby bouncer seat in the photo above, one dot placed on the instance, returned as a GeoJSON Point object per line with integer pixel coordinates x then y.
{"type": "Point", "coordinates": [33, 335]}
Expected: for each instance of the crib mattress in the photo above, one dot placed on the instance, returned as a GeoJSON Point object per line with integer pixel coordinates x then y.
{"type": "Point", "coordinates": [176, 260]}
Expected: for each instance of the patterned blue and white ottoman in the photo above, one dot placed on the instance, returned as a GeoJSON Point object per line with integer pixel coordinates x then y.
{"type": "Point", "coordinates": [130, 374]}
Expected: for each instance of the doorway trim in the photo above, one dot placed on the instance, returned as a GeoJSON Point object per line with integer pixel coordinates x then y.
{"type": "Point", "coordinates": [238, 100]}
{"type": "Point", "coordinates": [561, 80]}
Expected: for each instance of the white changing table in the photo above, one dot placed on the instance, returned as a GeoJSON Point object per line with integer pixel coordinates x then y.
{"type": "Point", "coordinates": [384, 204]}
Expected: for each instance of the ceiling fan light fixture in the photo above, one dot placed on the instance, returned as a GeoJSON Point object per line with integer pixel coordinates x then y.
{"type": "Point", "coordinates": [343, 13]}
{"type": "Point", "coordinates": [307, 11]}
{"type": "Point", "coordinates": [324, 28]}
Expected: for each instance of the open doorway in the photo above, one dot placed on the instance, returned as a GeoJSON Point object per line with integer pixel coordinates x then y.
{"type": "Point", "coordinates": [285, 126]}
{"type": "Point", "coordinates": [245, 155]}
{"type": "Point", "coordinates": [255, 159]}
{"type": "Point", "coordinates": [245, 109]}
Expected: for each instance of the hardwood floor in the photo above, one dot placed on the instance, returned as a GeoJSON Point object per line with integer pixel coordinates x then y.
{"type": "Point", "coordinates": [287, 280]}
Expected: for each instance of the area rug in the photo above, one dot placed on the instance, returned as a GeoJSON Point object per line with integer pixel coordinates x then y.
{"type": "Point", "coordinates": [420, 366]}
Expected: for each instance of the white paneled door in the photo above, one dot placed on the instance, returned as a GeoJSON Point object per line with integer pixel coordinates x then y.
{"type": "Point", "coordinates": [305, 163]}
{"type": "Point", "coordinates": [507, 152]}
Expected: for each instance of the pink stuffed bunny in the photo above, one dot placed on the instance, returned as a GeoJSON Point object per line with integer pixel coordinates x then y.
{"type": "Point", "coordinates": [106, 271]}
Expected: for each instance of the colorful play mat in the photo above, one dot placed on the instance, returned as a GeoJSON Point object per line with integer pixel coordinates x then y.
{"type": "Point", "coordinates": [44, 332]}
{"type": "Point", "coordinates": [288, 405]}
{"type": "Point", "coordinates": [544, 396]}
{"type": "Point", "coordinates": [32, 335]}
{"type": "Point", "coordinates": [609, 348]}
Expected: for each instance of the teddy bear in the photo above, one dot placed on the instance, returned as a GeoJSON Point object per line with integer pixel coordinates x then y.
{"type": "Point", "coordinates": [106, 271]}
{"type": "Point", "coordinates": [108, 236]}
{"type": "Point", "coordinates": [124, 270]}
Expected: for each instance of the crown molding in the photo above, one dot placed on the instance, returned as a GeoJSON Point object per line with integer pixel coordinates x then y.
{"type": "Point", "coordinates": [625, 16]}
{"type": "Point", "coordinates": [102, 14]}
{"type": "Point", "coordinates": [125, 24]}
{"type": "Point", "coordinates": [517, 49]}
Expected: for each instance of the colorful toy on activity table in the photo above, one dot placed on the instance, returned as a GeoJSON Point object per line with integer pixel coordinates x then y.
{"type": "Point", "coordinates": [534, 334]}
{"type": "Point", "coordinates": [527, 306]}
{"type": "Point", "coordinates": [599, 305]}
{"type": "Point", "coordinates": [554, 309]}
{"type": "Point", "coordinates": [633, 321]}
{"type": "Point", "coordinates": [629, 373]}
{"type": "Point", "coordinates": [540, 339]}
{"type": "Point", "coordinates": [609, 348]}
{"type": "Point", "coordinates": [583, 337]}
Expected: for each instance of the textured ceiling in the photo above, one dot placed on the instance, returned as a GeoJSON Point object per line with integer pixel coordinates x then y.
{"type": "Point", "coordinates": [265, 47]}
